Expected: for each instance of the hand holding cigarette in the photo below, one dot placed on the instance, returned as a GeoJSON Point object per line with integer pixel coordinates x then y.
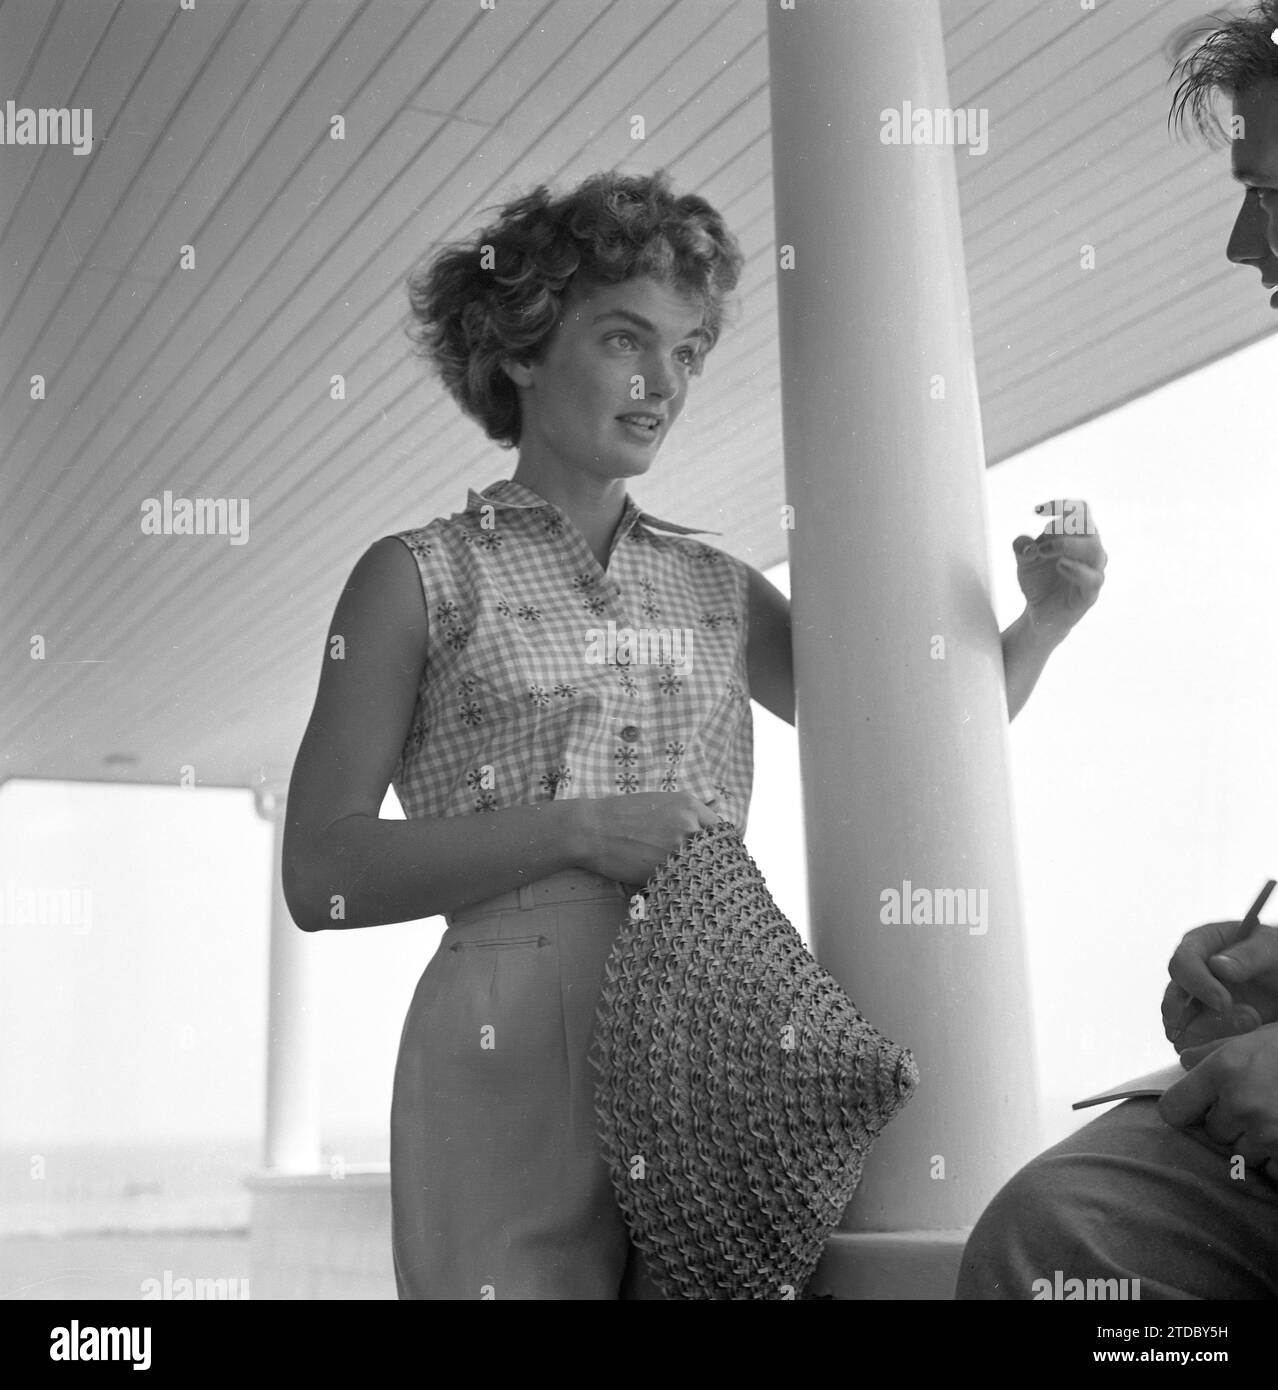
{"type": "Point", "coordinates": [1060, 571]}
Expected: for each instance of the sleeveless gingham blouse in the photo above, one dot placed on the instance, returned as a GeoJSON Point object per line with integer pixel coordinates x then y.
{"type": "Point", "coordinates": [548, 677]}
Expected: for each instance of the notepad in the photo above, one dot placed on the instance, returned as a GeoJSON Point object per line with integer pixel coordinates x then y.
{"type": "Point", "coordinates": [1153, 1083]}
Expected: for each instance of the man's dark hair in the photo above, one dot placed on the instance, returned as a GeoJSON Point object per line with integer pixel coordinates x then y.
{"type": "Point", "coordinates": [1238, 51]}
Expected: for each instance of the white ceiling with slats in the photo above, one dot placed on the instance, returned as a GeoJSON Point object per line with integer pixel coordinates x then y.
{"type": "Point", "coordinates": [212, 130]}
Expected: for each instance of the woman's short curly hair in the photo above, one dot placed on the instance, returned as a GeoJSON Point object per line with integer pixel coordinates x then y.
{"type": "Point", "coordinates": [500, 293]}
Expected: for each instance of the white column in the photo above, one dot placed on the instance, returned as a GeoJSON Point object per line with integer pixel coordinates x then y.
{"type": "Point", "coordinates": [292, 1138]}
{"type": "Point", "coordinates": [903, 744]}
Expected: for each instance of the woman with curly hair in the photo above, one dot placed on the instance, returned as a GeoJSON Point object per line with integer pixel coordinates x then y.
{"type": "Point", "coordinates": [543, 772]}
{"type": "Point", "coordinates": [557, 684]}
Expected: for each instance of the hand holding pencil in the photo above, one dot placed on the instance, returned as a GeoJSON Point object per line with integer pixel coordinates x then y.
{"type": "Point", "coordinates": [1224, 980]}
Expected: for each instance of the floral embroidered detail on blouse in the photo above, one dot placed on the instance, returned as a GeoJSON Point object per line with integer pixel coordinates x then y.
{"type": "Point", "coordinates": [526, 679]}
{"type": "Point", "coordinates": [560, 776]}
{"type": "Point", "coordinates": [416, 738]}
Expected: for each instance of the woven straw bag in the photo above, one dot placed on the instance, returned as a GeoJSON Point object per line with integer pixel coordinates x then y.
{"type": "Point", "coordinates": [739, 1090]}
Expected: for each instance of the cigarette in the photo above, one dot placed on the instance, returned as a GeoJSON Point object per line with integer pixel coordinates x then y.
{"type": "Point", "coordinates": [1066, 516]}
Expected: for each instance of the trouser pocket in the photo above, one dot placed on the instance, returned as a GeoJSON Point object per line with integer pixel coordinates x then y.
{"type": "Point", "coordinates": [498, 943]}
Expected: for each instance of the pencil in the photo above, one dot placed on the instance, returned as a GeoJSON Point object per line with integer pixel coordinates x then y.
{"type": "Point", "coordinates": [1250, 922]}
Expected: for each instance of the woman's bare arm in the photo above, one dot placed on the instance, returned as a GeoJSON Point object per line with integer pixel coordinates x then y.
{"type": "Point", "coordinates": [344, 867]}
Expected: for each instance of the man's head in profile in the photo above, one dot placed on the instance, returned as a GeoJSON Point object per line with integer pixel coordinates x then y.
{"type": "Point", "coordinates": [1238, 61]}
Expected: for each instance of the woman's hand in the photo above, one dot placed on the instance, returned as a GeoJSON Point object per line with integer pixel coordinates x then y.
{"type": "Point", "coordinates": [628, 837]}
{"type": "Point", "coordinates": [1061, 571]}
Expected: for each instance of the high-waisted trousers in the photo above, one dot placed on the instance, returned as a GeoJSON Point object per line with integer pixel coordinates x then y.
{"type": "Point", "coordinates": [498, 1186]}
